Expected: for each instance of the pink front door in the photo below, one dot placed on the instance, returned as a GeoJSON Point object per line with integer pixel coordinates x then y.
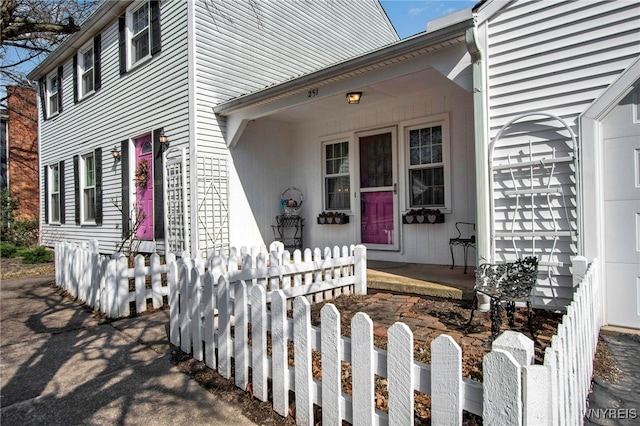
{"type": "Point", "coordinates": [143, 176]}
{"type": "Point", "coordinates": [378, 190]}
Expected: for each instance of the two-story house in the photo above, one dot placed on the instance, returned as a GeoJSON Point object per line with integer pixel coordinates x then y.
{"type": "Point", "coordinates": [139, 82]}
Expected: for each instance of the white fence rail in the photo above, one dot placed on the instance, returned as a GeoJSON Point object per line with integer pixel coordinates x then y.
{"type": "Point", "coordinates": [104, 282]}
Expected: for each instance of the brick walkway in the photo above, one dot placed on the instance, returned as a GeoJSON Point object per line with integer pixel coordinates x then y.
{"type": "Point", "coordinates": [429, 317]}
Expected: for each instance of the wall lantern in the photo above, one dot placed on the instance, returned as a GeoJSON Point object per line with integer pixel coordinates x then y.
{"type": "Point", "coordinates": [354, 97]}
{"type": "Point", "coordinates": [162, 138]}
{"type": "Point", "coordinates": [115, 153]}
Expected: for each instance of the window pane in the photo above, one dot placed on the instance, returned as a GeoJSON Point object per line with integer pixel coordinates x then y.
{"type": "Point", "coordinates": [338, 191]}
{"type": "Point", "coordinates": [87, 82]}
{"type": "Point", "coordinates": [376, 167]}
{"type": "Point", "coordinates": [140, 46]}
{"type": "Point", "coordinates": [140, 19]}
{"type": "Point", "coordinates": [425, 146]}
{"type": "Point", "coordinates": [89, 171]}
{"type": "Point", "coordinates": [337, 158]}
{"type": "Point", "coordinates": [89, 204]}
{"type": "Point", "coordinates": [55, 207]}
{"type": "Point", "coordinates": [87, 60]}
{"type": "Point", "coordinates": [55, 179]}
{"type": "Point", "coordinates": [427, 187]}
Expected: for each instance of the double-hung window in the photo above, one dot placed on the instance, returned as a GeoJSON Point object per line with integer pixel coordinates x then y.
{"type": "Point", "coordinates": [87, 71]}
{"type": "Point", "coordinates": [140, 37]}
{"type": "Point", "coordinates": [427, 167]}
{"type": "Point", "coordinates": [336, 176]}
{"type": "Point", "coordinates": [139, 34]}
{"type": "Point", "coordinates": [54, 193]}
{"type": "Point", "coordinates": [88, 188]}
{"type": "Point", "coordinates": [53, 94]}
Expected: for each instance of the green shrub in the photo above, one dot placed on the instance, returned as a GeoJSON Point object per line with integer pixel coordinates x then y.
{"type": "Point", "coordinates": [37, 255]}
{"type": "Point", "coordinates": [7, 250]}
{"type": "Point", "coordinates": [19, 233]}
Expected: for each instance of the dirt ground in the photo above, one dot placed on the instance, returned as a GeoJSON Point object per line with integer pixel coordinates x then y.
{"type": "Point", "coordinates": [441, 316]}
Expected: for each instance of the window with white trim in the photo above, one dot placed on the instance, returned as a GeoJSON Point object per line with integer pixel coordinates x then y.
{"type": "Point", "coordinates": [54, 193]}
{"type": "Point", "coordinates": [426, 164]}
{"type": "Point", "coordinates": [53, 93]}
{"type": "Point", "coordinates": [86, 71]}
{"type": "Point", "coordinates": [139, 33]}
{"type": "Point", "coordinates": [88, 188]}
{"type": "Point", "coordinates": [337, 187]}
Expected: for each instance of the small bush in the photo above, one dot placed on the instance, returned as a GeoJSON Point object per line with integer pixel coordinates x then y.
{"type": "Point", "coordinates": [37, 255]}
{"type": "Point", "coordinates": [7, 250]}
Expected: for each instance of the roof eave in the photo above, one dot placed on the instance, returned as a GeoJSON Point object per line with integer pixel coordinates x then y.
{"type": "Point", "coordinates": [101, 17]}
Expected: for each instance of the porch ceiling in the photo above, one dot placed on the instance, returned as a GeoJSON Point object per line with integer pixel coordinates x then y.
{"type": "Point", "coordinates": [373, 93]}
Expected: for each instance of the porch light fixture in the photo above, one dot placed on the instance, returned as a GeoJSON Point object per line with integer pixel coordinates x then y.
{"type": "Point", "coordinates": [115, 153]}
{"type": "Point", "coordinates": [162, 138]}
{"type": "Point", "coordinates": [354, 97]}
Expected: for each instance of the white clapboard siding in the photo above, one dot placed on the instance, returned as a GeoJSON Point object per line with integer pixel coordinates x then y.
{"type": "Point", "coordinates": [153, 95]}
{"type": "Point", "coordinates": [103, 282]}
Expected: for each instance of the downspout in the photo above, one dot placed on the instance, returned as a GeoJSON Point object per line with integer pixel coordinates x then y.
{"type": "Point", "coordinates": [483, 206]}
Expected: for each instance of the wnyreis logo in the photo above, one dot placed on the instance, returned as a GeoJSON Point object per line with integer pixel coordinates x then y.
{"type": "Point", "coordinates": [612, 413]}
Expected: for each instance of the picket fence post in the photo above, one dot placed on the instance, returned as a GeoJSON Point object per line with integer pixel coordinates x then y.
{"type": "Point", "coordinates": [331, 347]}
{"type": "Point", "coordinates": [259, 342]}
{"type": "Point", "coordinates": [279, 353]}
{"type": "Point", "coordinates": [174, 304]}
{"type": "Point", "coordinates": [362, 369]}
{"type": "Point", "coordinates": [302, 360]}
{"type": "Point", "coordinates": [400, 374]}
{"type": "Point", "coordinates": [446, 381]}
{"type": "Point", "coordinates": [360, 269]}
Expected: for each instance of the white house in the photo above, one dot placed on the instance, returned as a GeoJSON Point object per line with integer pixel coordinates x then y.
{"type": "Point", "coordinates": [518, 117]}
{"type": "Point", "coordinates": [141, 71]}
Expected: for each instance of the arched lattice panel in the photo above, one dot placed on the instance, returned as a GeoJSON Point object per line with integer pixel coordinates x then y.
{"type": "Point", "coordinates": [534, 189]}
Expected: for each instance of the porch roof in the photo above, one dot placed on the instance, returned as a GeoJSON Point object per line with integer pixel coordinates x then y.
{"type": "Point", "coordinates": [421, 44]}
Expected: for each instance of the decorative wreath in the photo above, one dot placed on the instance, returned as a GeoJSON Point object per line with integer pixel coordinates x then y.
{"type": "Point", "coordinates": [142, 173]}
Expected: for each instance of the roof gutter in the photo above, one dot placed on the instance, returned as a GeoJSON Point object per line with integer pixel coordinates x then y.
{"type": "Point", "coordinates": [399, 48]}
{"type": "Point", "coordinates": [102, 16]}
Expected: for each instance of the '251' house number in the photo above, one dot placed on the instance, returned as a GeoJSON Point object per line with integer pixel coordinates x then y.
{"type": "Point", "coordinates": [312, 93]}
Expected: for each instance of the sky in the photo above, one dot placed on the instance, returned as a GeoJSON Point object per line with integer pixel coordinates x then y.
{"type": "Point", "coordinates": [410, 17]}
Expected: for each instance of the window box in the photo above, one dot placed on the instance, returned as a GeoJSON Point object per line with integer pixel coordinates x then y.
{"type": "Point", "coordinates": [423, 216]}
{"type": "Point", "coordinates": [331, 218]}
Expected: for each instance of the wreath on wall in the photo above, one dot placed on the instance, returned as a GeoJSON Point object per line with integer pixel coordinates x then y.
{"type": "Point", "coordinates": [142, 173]}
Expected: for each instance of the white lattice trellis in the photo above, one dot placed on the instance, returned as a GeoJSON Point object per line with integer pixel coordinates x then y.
{"type": "Point", "coordinates": [175, 203]}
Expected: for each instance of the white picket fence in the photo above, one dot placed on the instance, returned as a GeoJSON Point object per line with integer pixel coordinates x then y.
{"type": "Point", "coordinates": [258, 296]}
{"type": "Point", "coordinates": [573, 348]}
{"type": "Point", "coordinates": [102, 282]}
{"type": "Point", "coordinates": [514, 391]}
{"type": "Point", "coordinates": [254, 290]}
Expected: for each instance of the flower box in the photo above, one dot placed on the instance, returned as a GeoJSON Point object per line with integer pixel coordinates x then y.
{"type": "Point", "coordinates": [423, 216]}
{"type": "Point", "coordinates": [332, 219]}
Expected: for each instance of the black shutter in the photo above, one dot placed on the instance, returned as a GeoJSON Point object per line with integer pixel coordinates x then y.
{"type": "Point", "coordinates": [122, 43]}
{"type": "Point", "coordinates": [158, 187]}
{"type": "Point", "coordinates": [42, 85]}
{"type": "Point", "coordinates": [76, 187]}
{"type": "Point", "coordinates": [45, 173]}
{"type": "Point", "coordinates": [62, 199]}
{"type": "Point", "coordinates": [60, 89]}
{"type": "Point", "coordinates": [124, 155]}
{"type": "Point", "coordinates": [97, 64]}
{"type": "Point", "coordinates": [75, 78]}
{"type": "Point", "coordinates": [98, 159]}
{"type": "Point", "coordinates": [156, 42]}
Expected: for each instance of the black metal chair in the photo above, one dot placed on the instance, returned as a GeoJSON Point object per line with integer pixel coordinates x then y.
{"type": "Point", "coordinates": [469, 240]}
{"type": "Point", "coordinates": [505, 284]}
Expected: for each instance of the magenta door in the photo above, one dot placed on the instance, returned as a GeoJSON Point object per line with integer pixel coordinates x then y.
{"type": "Point", "coordinates": [378, 190]}
{"type": "Point", "coordinates": [144, 187]}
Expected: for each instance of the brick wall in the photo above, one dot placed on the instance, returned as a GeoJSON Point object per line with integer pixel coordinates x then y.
{"type": "Point", "coordinates": [22, 138]}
